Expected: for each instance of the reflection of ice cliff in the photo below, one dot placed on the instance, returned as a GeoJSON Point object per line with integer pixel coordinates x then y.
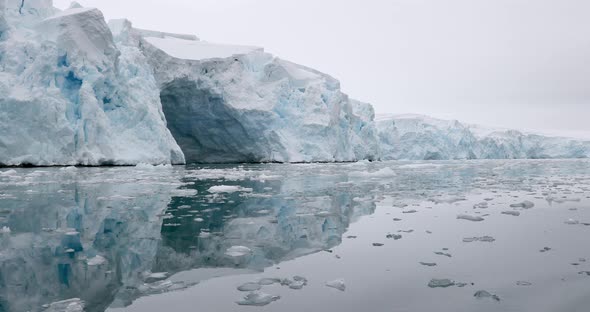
{"type": "Point", "coordinates": [96, 234]}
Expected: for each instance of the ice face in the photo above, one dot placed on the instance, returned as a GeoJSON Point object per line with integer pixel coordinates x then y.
{"type": "Point", "coordinates": [229, 103]}
{"type": "Point", "coordinates": [415, 137]}
{"type": "Point", "coordinates": [76, 92]}
{"type": "Point", "coordinates": [71, 95]}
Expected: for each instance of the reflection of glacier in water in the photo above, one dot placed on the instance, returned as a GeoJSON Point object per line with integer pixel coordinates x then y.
{"type": "Point", "coordinates": [112, 236]}
{"type": "Point", "coordinates": [97, 234]}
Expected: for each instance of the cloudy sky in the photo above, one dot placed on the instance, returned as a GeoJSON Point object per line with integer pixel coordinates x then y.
{"type": "Point", "coordinates": [512, 63]}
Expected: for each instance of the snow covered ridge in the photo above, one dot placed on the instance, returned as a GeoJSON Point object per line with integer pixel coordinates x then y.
{"type": "Point", "coordinates": [416, 137]}
{"type": "Point", "coordinates": [76, 91]}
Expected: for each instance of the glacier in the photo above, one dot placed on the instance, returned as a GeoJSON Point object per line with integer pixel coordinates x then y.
{"type": "Point", "coordinates": [418, 137]}
{"type": "Point", "coordinates": [78, 91]}
{"type": "Point", "coordinates": [71, 96]}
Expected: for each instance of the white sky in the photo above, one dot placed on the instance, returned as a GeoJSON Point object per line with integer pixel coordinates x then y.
{"type": "Point", "coordinates": [521, 64]}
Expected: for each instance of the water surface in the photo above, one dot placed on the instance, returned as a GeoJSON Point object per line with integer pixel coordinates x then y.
{"type": "Point", "coordinates": [164, 238]}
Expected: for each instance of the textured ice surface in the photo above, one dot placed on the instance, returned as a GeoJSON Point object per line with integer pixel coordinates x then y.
{"type": "Point", "coordinates": [239, 104]}
{"type": "Point", "coordinates": [337, 284]}
{"type": "Point", "coordinates": [417, 137]}
{"type": "Point", "coordinates": [75, 91]}
{"type": "Point", "coordinates": [258, 298]}
{"type": "Point", "coordinates": [72, 95]}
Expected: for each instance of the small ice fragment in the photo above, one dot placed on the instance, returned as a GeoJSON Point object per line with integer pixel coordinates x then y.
{"type": "Point", "coordinates": [410, 211]}
{"type": "Point", "coordinates": [5, 230]}
{"type": "Point", "coordinates": [572, 222]}
{"type": "Point", "coordinates": [258, 298]}
{"type": "Point", "coordinates": [297, 284]}
{"type": "Point", "coordinates": [440, 253]}
{"type": "Point", "coordinates": [545, 249]}
{"type": "Point", "coordinates": [482, 205]}
{"type": "Point", "coordinates": [338, 284]}
{"type": "Point", "coordinates": [511, 213]}
{"type": "Point", "coordinates": [228, 189]}
{"type": "Point", "coordinates": [469, 218]}
{"type": "Point", "coordinates": [397, 219]}
{"type": "Point", "coordinates": [394, 236]}
{"type": "Point", "coordinates": [487, 239]}
{"type": "Point", "coordinates": [440, 283]}
{"type": "Point", "coordinates": [482, 294]}
{"type": "Point", "coordinates": [377, 244]}
{"type": "Point", "coordinates": [351, 236]}
{"type": "Point", "coordinates": [249, 287]}
{"type": "Point", "coordinates": [525, 204]}
{"type": "Point", "coordinates": [158, 276]}
{"type": "Point", "coordinates": [523, 283]}
{"type": "Point", "coordinates": [269, 281]}
{"type": "Point", "coordinates": [430, 264]}
{"type": "Point", "coordinates": [584, 273]}
{"type": "Point", "coordinates": [238, 251]}
{"type": "Point", "coordinates": [97, 260]}
{"type": "Point", "coordinates": [199, 219]}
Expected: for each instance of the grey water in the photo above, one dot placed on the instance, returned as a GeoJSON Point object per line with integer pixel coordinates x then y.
{"type": "Point", "coordinates": [505, 235]}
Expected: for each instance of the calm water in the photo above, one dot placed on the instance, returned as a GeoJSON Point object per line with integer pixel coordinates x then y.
{"type": "Point", "coordinates": [184, 238]}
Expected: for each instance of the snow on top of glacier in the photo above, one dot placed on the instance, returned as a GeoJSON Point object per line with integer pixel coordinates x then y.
{"type": "Point", "coordinates": [198, 50]}
{"type": "Point", "coordinates": [69, 12]}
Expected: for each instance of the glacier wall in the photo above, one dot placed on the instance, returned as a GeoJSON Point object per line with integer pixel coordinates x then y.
{"type": "Point", "coordinates": [76, 91]}
{"type": "Point", "coordinates": [416, 137]}
{"type": "Point", "coordinates": [229, 103]}
{"type": "Point", "coordinates": [71, 96]}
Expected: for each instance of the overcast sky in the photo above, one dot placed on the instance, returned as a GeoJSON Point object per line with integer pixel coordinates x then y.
{"type": "Point", "coordinates": [513, 63]}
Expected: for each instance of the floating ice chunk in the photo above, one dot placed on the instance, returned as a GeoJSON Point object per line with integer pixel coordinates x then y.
{"type": "Point", "coordinates": [394, 236]}
{"type": "Point", "coordinates": [440, 283]}
{"type": "Point", "coordinates": [523, 283]}
{"type": "Point", "coordinates": [487, 239]}
{"type": "Point", "coordinates": [337, 284]}
{"type": "Point", "coordinates": [482, 205]}
{"type": "Point", "coordinates": [430, 264]}
{"type": "Point", "coordinates": [440, 253]}
{"type": "Point", "coordinates": [249, 287]}
{"type": "Point", "coordinates": [228, 189]}
{"type": "Point", "coordinates": [410, 211]}
{"type": "Point", "coordinates": [448, 200]}
{"type": "Point", "coordinates": [238, 251]}
{"type": "Point", "coordinates": [5, 230]}
{"type": "Point", "coordinates": [155, 277]}
{"type": "Point", "coordinates": [7, 173]}
{"type": "Point", "coordinates": [269, 281]}
{"type": "Point", "coordinates": [482, 294]}
{"type": "Point", "coordinates": [377, 244]}
{"type": "Point", "coordinates": [545, 249]}
{"type": "Point", "coordinates": [587, 273]}
{"type": "Point", "coordinates": [199, 220]}
{"type": "Point", "coordinates": [96, 260]}
{"type": "Point", "coordinates": [572, 222]}
{"type": "Point", "coordinates": [70, 305]}
{"type": "Point", "coordinates": [470, 218]}
{"type": "Point", "coordinates": [511, 213]}
{"type": "Point", "coordinates": [144, 166]}
{"type": "Point", "coordinates": [525, 204]}
{"type": "Point", "coordinates": [258, 298]}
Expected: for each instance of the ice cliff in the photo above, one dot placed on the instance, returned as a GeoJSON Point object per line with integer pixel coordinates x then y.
{"type": "Point", "coordinates": [76, 91]}
{"type": "Point", "coordinates": [416, 137]}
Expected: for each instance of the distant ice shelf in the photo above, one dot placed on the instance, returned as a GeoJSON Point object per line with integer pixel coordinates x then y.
{"type": "Point", "coordinates": [417, 137]}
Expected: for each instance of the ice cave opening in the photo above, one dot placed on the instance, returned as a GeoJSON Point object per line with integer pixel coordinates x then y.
{"type": "Point", "coordinates": [205, 127]}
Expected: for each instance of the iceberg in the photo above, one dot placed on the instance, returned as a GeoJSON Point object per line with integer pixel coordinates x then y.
{"type": "Point", "coordinates": [78, 91]}
{"type": "Point", "coordinates": [418, 137]}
